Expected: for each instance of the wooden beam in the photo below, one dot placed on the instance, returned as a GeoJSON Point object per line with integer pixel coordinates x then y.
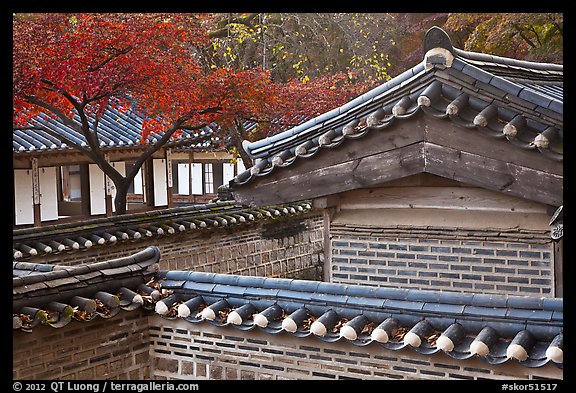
{"type": "Point", "coordinates": [418, 145]}
{"type": "Point", "coordinates": [169, 182]}
{"type": "Point", "coordinates": [405, 133]}
{"type": "Point", "coordinates": [445, 133]}
{"type": "Point", "coordinates": [451, 198]}
{"type": "Point", "coordinates": [108, 185]}
{"type": "Point", "coordinates": [327, 215]}
{"type": "Point", "coordinates": [326, 202]}
{"type": "Point", "coordinates": [36, 192]}
{"type": "Point", "coordinates": [558, 268]}
{"type": "Point", "coordinates": [85, 189]}
{"type": "Point", "coordinates": [350, 175]}
{"type": "Point", "coordinates": [190, 161]}
{"type": "Point", "coordinates": [506, 222]}
{"type": "Point", "coordinates": [494, 174]}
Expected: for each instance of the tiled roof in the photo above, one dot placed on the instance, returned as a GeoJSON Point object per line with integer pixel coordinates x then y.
{"type": "Point", "coordinates": [55, 295]}
{"type": "Point", "coordinates": [116, 129]}
{"type": "Point", "coordinates": [491, 327]}
{"type": "Point", "coordinates": [496, 328]}
{"type": "Point", "coordinates": [121, 129]}
{"type": "Point", "coordinates": [162, 222]}
{"type": "Point", "coordinates": [513, 100]}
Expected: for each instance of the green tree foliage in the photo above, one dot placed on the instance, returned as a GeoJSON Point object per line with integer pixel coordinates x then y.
{"type": "Point", "coordinates": [534, 36]}
{"type": "Point", "coordinates": [305, 45]}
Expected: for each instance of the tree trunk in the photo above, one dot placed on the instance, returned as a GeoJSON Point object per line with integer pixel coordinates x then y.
{"type": "Point", "coordinates": [246, 160]}
{"type": "Point", "coordinates": [237, 136]}
{"type": "Point", "coordinates": [120, 200]}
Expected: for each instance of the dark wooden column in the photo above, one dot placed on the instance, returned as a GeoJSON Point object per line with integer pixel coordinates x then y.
{"type": "Point", "coordinates": [169, 182]}
{"type": "Point", "coordinates": [85, 189]}
{"type": "Point", "coordinates": [36, 192]}
{"type": "Point", "coordinates": [558, 268]}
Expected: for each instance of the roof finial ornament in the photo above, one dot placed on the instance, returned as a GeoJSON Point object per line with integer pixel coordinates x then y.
{"type": "Point", "coordinates": [435, 37]}
{"type": "Point", "coordinates": [438, 48]}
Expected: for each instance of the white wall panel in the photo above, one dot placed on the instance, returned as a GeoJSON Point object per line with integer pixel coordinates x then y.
{"type": "Point", "coordinates": [197, 188]}
{"type": "Point", "coordinates": [48, 194]}
{"type": "Point", "coordinates": [97, 190]}
{"type": "Point", "coordinates": [23, 202]}
{"type": "Point", "coordinates": [160, 182]}
{"type": "Point", "coordinates": [183, 173]}
{"type": "Point", "coordinates": [227, 172]}
{"type": "Point", "coordinates": [240, 166]}
{"type": "Point", "coordinates": [138, 185]}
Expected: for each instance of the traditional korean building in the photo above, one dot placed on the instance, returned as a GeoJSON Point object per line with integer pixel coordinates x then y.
{"type": "Point", "coordinates": [63, 212]}
{"type": "Point", "coordinates": [438, 217]}
{"type": "Point", "coordinates": [448, 177]}
{"type": "Point", "coordinates": [54, 182]}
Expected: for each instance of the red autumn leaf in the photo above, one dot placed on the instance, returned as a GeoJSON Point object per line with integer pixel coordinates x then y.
{"type": "Point", "coordinates": [80, 64]}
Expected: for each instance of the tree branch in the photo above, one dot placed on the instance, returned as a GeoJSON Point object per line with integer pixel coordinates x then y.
{"type": "Point", "coordinates": [116, 53]}
{"type": "Point", "coordinates": [153, 148]}
{"type": "Point", "coordinates": [524, 37]}
{"type": "Point", "coordinates": [51, 108]}
{"type": "Point", "coordinates": [224, 27]}
{"type": "Point", "coordinates": [63, 138]}
{"type": "Point", "coordinates": [556, 24]}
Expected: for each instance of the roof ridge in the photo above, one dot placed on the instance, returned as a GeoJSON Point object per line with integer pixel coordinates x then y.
{"type": "Point", "coordinates": [506, 313]}
{"type": "Point", "coordinates": [329, 288]}
{"type": "Point", "coordinates": [508, 61]}
{"type": "Point", "coordinates": [436, 37]}
{"type": "Point", "coordinates": [64, 283]}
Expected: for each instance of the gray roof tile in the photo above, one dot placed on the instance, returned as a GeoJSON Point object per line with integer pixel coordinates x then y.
{"type": "Point", "coordinates": [514, 87]}
{"type": "Point", "coordinates": [137, 222]}
{"type": "Point", "coordinates": [439, 309]}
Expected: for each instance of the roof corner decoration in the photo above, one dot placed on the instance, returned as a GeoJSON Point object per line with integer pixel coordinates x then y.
{"type": "Point", "coordinates": [438, 48]}
{"type": "Point", "coordinates": [557, 224]}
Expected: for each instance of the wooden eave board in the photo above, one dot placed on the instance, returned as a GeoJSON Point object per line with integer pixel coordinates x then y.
{"type": "Point", "coordinates": [419, 145]}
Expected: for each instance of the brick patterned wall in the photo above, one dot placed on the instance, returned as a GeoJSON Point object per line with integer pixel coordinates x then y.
{"type": "Point", "coordinates": [134, 346]}
{"type": "Point", "coordinates": [116, 348]}
{"type": "Point", "coordinates": [290, 247]}
{"type": "Point", "coordinates": [485, 262]}
{"type": "Point", "coordinates": [182, 350]}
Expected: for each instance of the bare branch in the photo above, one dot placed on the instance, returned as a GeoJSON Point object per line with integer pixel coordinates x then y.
{"type": "Point", "coordinates": [524, 37]}
{"type": "Point", "coordinates": [51, 108]}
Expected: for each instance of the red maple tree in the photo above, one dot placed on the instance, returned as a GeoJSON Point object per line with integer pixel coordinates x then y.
{"type": "Point", "coordinates": [80, 64]}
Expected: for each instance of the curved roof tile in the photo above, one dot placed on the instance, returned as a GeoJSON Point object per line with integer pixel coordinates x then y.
{"type": "Point", "coordinates": [116, 128]}
{"type": "Point", "coordinates": [164, 222]}
{"type": "Point", "coordinates": [523, 101]}
{"type": "Point", "coordinates": [426, 321]}
{"type": "Point", "coordinates": [494, 328]}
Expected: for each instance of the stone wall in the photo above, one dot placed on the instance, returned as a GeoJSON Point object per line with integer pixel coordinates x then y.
{"type": "Point", "coordinates": [136, 346]}
{"type": "Point", "coordinates": [288, 247]}
{"type": "Point", "coordinates": [519, 263]}
{"type": "Point", "coordinates": [116, 348]}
